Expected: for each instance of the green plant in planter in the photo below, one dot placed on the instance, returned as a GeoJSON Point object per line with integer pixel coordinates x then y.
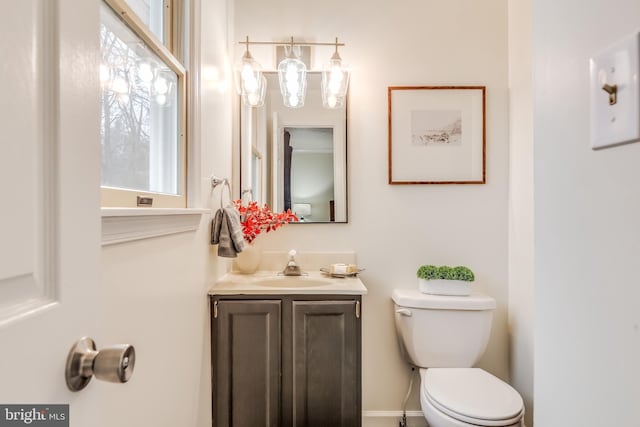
{"type": "Point", "coordinates": [463, 273]}
{"type": "Point", "coordinates": [431, 272]}
{"type": "Point", "coordinates": [428, 272]}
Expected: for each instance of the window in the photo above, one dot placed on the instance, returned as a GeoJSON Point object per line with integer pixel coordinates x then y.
{"type": "Point", "coordinates": [156, 15]}
{"type": "Point", "coordinates": [143, 107]}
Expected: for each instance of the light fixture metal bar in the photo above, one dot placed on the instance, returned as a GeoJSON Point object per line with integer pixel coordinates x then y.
{"type": "Point", "coordinates": [291, 42]}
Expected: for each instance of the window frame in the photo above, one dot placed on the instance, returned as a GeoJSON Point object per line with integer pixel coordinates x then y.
{"type": "Point", "coordinates": [126, 198]}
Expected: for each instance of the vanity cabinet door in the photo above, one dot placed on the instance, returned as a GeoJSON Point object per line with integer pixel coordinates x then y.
{"type": "Point", "coordinates": [246, 347]}
{"type": "Point", "coordinates": [326, 363]}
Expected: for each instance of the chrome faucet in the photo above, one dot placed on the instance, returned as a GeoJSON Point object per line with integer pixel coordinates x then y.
{"type": "Point", "coordinates": [292, 269]}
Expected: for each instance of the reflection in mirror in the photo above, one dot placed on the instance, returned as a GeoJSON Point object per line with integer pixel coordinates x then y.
{"type": "Point", "coordinates": [295, 158]}
{"type": "Point", "coordinates": [308, 188]}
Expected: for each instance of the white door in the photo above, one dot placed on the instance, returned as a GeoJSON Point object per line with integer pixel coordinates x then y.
{"type": "Point", "coordinates": [49, 180]}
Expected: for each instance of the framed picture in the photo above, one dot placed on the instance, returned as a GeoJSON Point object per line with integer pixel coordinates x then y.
{"type": "Point", "coordinates": [436, 134]}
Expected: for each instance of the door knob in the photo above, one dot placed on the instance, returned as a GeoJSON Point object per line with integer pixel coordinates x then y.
{"type": "Point", "coordinates": [114, 364]}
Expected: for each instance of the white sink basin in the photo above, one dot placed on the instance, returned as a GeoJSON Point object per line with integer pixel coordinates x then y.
{"type": "Point", "coordinates": [273, 283]}
{"type": "Point", "coordinates": [293, 282]}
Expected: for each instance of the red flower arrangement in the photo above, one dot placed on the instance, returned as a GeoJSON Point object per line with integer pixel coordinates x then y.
{"type": "Point", "coordinates": [256, 219]}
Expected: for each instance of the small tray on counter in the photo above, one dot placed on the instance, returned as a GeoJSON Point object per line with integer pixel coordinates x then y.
{"type": "Point", "coordinates": [340, 275]}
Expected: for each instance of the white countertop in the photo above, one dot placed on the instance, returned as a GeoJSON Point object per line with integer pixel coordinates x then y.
{"type": "Point", "coordinates": [254, 284]}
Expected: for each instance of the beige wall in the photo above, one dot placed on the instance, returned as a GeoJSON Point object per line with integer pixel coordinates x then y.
{"type": "Point", "coordinates": [587, 311]}
{"type": "Point", "coordinates": [395, 229]}
{"type": "Point", "coordinates": [521, 290]}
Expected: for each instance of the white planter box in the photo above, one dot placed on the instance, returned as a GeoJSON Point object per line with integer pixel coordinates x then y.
{"type": "Point", "coordinates": [445, 287]}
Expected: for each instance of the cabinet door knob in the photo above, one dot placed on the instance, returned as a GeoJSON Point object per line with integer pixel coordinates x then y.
{"type": "Point", "coordinates": [113, 364]}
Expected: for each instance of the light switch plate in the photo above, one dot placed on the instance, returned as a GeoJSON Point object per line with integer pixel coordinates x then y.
{"type": "Point", "coordinates": [617, 65]}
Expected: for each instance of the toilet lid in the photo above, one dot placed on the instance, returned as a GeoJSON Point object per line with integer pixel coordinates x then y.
{"type": "Point", "coordinates": [472, 395]}
{"type": "Point", "coordinates": [415, 299]}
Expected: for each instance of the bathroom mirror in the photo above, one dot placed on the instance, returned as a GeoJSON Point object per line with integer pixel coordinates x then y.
{"type": "Point", "coordinates": [295, 158]}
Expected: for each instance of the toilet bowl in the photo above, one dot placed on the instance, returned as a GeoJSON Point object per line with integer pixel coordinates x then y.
{"type": "Point", "coordinates": [445, 336]}
{"type": "Point", "coordinates": [468, 397]}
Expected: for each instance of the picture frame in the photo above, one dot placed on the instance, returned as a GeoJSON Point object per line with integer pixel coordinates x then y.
{"type": "Point", "coordinates": [437, 135]}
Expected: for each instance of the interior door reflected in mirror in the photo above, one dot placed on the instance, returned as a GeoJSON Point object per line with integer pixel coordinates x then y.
{"type": "Point", "coordinates": [295, 158]}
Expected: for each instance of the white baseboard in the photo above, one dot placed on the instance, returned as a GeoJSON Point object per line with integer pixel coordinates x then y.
{"type": "Point", "coordinates": [392, 418]}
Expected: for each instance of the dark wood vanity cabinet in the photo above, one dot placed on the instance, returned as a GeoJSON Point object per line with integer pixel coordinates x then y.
{"type": "Point", "coordinates": [286, 360]}
{"type": "Point", "coordinates": [246, 359]}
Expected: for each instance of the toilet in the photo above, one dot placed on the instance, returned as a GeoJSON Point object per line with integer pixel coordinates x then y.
{"type": "Point", "coordinates": [445, 336]}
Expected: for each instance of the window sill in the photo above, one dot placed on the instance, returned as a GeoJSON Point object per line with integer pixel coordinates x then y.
{"type": "Point", "coordinates": [121, 225]}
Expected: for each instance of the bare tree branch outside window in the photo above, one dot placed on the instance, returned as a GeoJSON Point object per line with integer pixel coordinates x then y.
{"type": "Point", "coordinates": [138, 120]}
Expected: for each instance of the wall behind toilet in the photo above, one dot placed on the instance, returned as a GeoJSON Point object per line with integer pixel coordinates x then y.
{"type": "Point", "coordinates": [395, 229]}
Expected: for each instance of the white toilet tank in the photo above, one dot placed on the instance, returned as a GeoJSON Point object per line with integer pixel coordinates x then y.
{"type": "Point", "coordinates": [442, 331]}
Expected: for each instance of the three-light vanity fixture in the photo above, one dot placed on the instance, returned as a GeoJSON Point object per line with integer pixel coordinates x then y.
{"type": "Point", "coordinates": [292, 75]}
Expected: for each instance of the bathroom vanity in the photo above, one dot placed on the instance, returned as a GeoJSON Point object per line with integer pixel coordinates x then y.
{"type": "Point", "coordinates": [286, 351]}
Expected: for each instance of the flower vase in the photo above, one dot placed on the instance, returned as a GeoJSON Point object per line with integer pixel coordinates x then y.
{"type": "Point", "coordinates": [249, 259]}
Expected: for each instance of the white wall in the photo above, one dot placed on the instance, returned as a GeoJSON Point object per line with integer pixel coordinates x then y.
{"type": "Point", "coordinates": [307, 169]}
{"type": "Point", "coordinates": [395, 229]}
{"type": "Point", "coordinates": [587, 232]}
{"type": "Point", "coordinates": [154, 295]}
{"type": "Point", "coordinates": [521, 247]}
{"type": "Point", "coordinates": [155, 289]}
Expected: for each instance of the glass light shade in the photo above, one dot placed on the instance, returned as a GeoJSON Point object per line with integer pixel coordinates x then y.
{"type": "Point", "coordinates": [146, 71]}
{"type": "Point", "coordinates": [335, 82]}
{"type": "Point", "coordinates": [250, 83]}
{"type": "Point", "coordinates": [163, 82]}
{"type": "Point", "coordinates": [120, 86]}
{"type": "Point", "coordinates": [105, 74]}
{"type": "Point", "coordinates": [161, 99]}
{"type": "Point", "coordinates": [292, 74]}
{"type": "Point", "coordinates": [256, 97]}
{"type": "Point", "coordinates": [161, 86]}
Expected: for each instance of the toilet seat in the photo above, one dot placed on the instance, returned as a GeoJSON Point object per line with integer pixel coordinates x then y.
{"type": "Point", "coordinates": [472, 396]}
